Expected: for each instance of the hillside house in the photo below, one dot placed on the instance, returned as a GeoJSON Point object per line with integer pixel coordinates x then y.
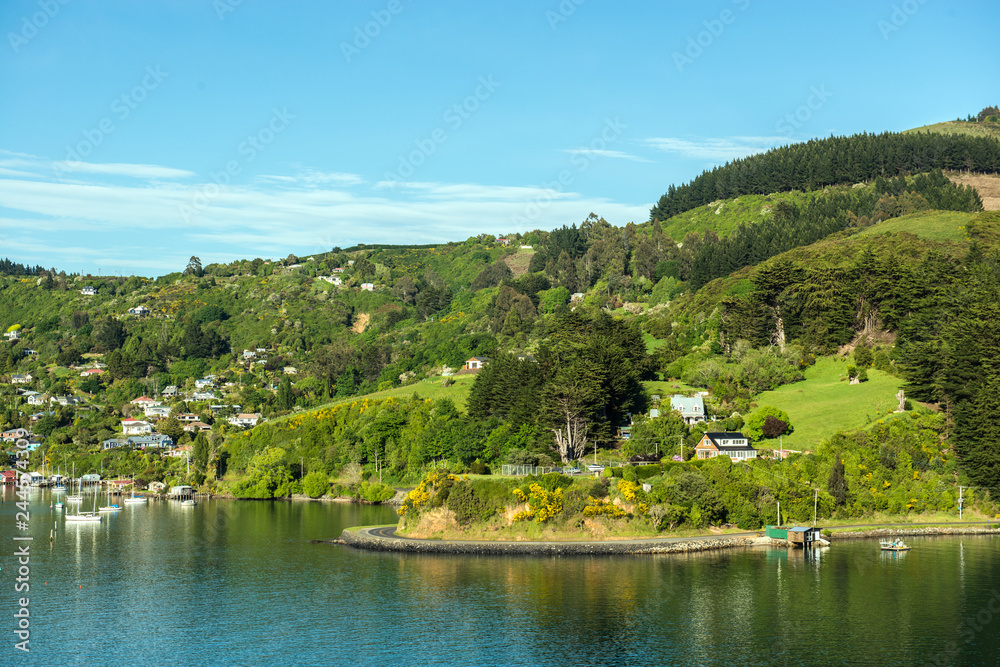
{"type": "Point", "coordinates": [157, 411]}
{"type": "Point", "coordinates": [368, 287]}
{"type": "Point", "coordinates": [143, 401]}
{"type": "Point", "coordinates": [14, 435]}
{"type": "Point", "coordinates": [28, 352]}
{"type": "Point", "coordinates": [187, 417]}
{"type": "Point", "coordinates": [138, 311]}
{"type": "Point", "coordinates": [34, 398]}
{"type": "Point", "coordinates": [136, 427]}
{"type": "Point", "coordinates": [203, 396]}
{"type": "Point", "coordinates": [8, 477]}
{"type": "Point", "coordinates": [475, 363]}
{"type": "Point", "coordinates": [113, 443]}
{"type": "Point", "coordinates": [734, 445]}
{"type": "Point", "coordinates": [21, 379]}
{"type": "Point", "coordinates": [182, 451]}
{"type": "Point", "coordinates": [290, 370]}
{"type": "Point", "coordinates": [91, 371]}
{"type": "Point", "coordinates": [248, 354]}
{"type": "Point", "coordinates": [39, 416]}
{"type": "Point", "coordinates": [246, 420]}
{"type": "Point", "coordinates": [336, 281]}
{"type": "Point", "coordinates": [205, 383]}
{"type": "Point", "coordinates": [150, 441]}
{"type": "Point", "coordinates": [89, 290]}
{"type": "Point", "coordinates": [13, 335]}
{"type": "Point", "coordinates": [196, 427]}
{"type": "Point", "coordinates": [170, 391]}
{"type": "Point", "coordinates": [692, 408]}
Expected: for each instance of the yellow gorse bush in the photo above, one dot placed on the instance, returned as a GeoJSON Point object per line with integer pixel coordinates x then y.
{"type": "Point", "coordinates": [601, 507]}
{"type": "Point", "coordinates": [542, 504]}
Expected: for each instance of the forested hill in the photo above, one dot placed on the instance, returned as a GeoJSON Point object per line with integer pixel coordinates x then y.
{"type": "Point", "coordinates": [833, 161]}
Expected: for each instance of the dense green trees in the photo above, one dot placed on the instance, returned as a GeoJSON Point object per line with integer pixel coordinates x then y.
{"type": "Point", "coordinates": [833, 161]}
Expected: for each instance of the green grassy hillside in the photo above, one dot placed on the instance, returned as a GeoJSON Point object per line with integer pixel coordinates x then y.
{"type": "Point", "coordinates": [825, 402]}
{"type": "Point", "coordinates": [941, 226]}
{"type": "Point", "coordinates": [724, 216]}
{"type": "Point", "coordinates": [960, 127]}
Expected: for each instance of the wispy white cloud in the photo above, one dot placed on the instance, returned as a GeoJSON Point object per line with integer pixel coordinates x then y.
{"type": "Point", "coordinates": [715, 149]}
{"type": "Point", "coordinates": [595, 153]}
{"type": "Point", "coordinates": [130, 170]}
{"type": "Point", "coordinates": [152, 225]}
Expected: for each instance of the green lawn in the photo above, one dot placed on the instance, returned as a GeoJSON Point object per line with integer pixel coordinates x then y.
{"type": "Point", "coordinates": [941, 226]}
{"type": "Point", "coordinates": [668, 388]}
{"type": "Point", "coordinates": [651, 343]}
{"type": "Point", "coordinates": [825, 402]}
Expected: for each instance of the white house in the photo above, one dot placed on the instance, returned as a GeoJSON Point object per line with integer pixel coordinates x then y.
{"type": "Point", "coordinates": [475, 363]}
{"type": "Point", "coordinates": [368, 287]}
{"type": "Point", "coordinates": [21, 379]}
{"type": "Point", "coordinates": [204, 383]}
{"type": "Point", "coordinates": [13, 335]}
{"type": "Point", "coordinates": [290, 370]}
{"type": "Point", "coordinates": [170, 391]}
{"type": "Point", "coordinates": [245, 419]}
{"type": "Point", "coordinates": [135, 427]}
{"type": "Point", "coordinates": [203, 396]}
{"type": "Point", "coordinates": [157, 411]}
{"type": "Point", "coordinates": [249, 354]}
{"type": "Point", "coordinates": [91, 371]}
{"type": "Point", "coordinates": [187, 417]}
{"type": "Point", "coordinates": [34, 398]}
{"type": "Point", "coordinates": [692, 408]}
{"type": "Point", "coordinates": [138, 310]}
{"type": "Point", "coordinates": [89, 290]}
{"type": "Point", "coordinates": [333, 280]}
{"type": "Point", "coordinates": [143, 401]}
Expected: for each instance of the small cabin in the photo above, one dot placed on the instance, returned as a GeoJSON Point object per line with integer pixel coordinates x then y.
{"type": "Point", "coordinates": [91, 478]}
{"type": "Point", "coordinates": [181, 492]}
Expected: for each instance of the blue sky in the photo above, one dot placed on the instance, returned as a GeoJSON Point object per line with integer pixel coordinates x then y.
{"type": "Point", "coordinates": [136, 134]}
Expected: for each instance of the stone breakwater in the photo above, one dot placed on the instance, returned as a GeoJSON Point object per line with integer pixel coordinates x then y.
{"type": "Point", "coordinates": [912, 532]}
{"type": "Point", "coordinates": [363, 540]}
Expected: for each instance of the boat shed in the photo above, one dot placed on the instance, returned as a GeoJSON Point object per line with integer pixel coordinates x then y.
{"type": "Point", "coordinates": [803, 536]}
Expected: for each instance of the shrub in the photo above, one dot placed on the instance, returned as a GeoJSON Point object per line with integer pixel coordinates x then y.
{"type": "Point", "coordinates": [477, 467]}
{"type": "Point", "coordinates": [315, 484]}
{"type": "Point", "coordinates": [376, 492]}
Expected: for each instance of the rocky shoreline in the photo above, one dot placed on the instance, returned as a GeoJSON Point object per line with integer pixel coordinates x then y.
{"type": "Point", "coordinates": [363, 540]}
{"type": "Point", "coordinates": [916, 531]}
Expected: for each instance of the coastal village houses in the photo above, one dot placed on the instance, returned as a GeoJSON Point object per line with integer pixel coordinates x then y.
{"type": "Point", "coordinates": [136, 427]}
{"type": "Point", "coordinates": [734, 445]}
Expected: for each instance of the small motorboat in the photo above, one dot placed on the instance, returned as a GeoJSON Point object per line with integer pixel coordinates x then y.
{"type": "Point", "coordinates": [189, 503]}
{"type": "Point", "coordinates": [893, 545]}
{"type": "Point", "coordinates": [110, 508]}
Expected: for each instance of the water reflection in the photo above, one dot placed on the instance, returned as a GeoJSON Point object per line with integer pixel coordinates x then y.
{"type": "Point", "coordinates": [239, 583]}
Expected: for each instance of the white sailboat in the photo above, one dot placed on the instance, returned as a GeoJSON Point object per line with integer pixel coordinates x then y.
{"type": "Point", "coordinates": [134, 499]}
{"type": "Point", "coordinates": [84, 517]}
{"type": "Point", "coordinates": [75, 497]}
{"type": "Point", "coordinates": [110, 507]}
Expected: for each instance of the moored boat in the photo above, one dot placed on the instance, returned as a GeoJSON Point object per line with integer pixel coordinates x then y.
{"type": "Point", "coordinates": [893, 545]}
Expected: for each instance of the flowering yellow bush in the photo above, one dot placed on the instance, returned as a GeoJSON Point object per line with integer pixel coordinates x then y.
{"type": "Point", "coordinates": [629, 490]}
{"type": "Point", "coordinates": [422, 494]}
{"type": "Point", "coordinates": [542, 504]}
{"type": "Point", "coordinates": [601, 507]}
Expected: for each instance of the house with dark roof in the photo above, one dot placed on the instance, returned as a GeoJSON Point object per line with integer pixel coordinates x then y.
{"type": "Point", "coordinates": [692, 408]}
{"type": "Point", "coordinates": [734, 445]}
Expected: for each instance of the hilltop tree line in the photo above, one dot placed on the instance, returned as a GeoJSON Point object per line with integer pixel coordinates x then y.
{"type": "Point", "coordinates": [790, 226]}
{"type": "Point", "coordinates": [9, 268]}
{"type": "Point", "coordinates": [833, 161]}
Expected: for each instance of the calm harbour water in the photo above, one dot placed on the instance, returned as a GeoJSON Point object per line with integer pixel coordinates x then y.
{"type": "Point", "coordinates": [238, 583]}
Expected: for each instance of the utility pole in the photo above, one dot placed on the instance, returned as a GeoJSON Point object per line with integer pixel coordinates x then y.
{"type": "Point", "coordinates": [815, 501]}
{"type": "Point", "coordinates": [779, 512]}
{"type": "Point", "coordinates": [680, 438]}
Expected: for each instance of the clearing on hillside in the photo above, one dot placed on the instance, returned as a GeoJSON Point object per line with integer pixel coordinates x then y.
{"type": "Point", "coordinates": [988, 186]}
{"type": "Point", "coordinates": [938, 226]}
{"type": "Point", "coordinates": [826, 403]}
{"type": "Point", "coordinates": [960, 127]}
{"type": "Point", "coordinates": [519, 261]}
